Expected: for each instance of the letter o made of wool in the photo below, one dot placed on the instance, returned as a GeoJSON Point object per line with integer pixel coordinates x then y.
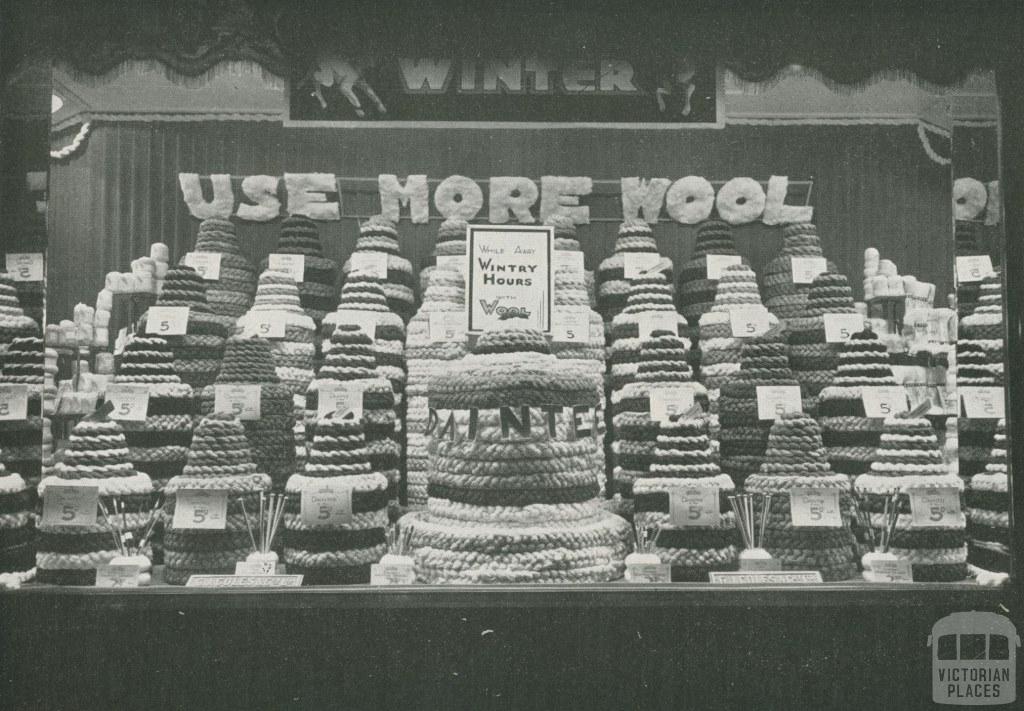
{"type": "Point", "coordinates": [458, 196]}
{"type": "Point", "coordinates": [690, 200]}
{"type": "Point", "coordinates": [740, 200]}
{"type": "Point", "coordinates": [969, 198]}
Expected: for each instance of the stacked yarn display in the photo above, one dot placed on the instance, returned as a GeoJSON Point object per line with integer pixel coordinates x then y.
{"type": "Point", "coordinates": [783, 297]}
{"type": "Point", "coordinates": [449, 247]}
{"type": "Point", "coordinates": [232, 293]}
{"type": "Point", "coordinates": [317, 291]}
{"type": "Point", "coordinates": [21, 440]}
{"type": "Point", "coordinates": [13, 321]}
{"type": "Point", "coordinates": [980, 354]}
{"type": "Point", "coordinates": [635, 236]}
{"type": "Point", "coordinates": [566, 240]}
{"type": "Point", "coordinates": [882, 279]}
{"type": "Point", "coordinates": [988, 510]}
{"type": "Point", "coordinates": [795, 458]}
{"type": "Point", "coordinates": [515, 506]}
{"type": "Point", "coordinates": [379, 234]}
{"type": "Point", "coordinates": [17, 525]}
{"type": "Point", "coordinates": [96, 455]}
{"type": "Point", "coordinates": [218, 460]}
{"type": "Point", "coordinates": [696, 291]}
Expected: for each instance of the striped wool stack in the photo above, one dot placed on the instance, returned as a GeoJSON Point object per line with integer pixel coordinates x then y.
{"type": "Point", "coordinates": [795, 459]}
{"type": "Point", "coordinates": [248, 361]}
{"type": "Point", "coordinates": [696, 291]}
{"type": "Point", "coordinates": [988, 511]}
{"type": "Point", "coordinates": [379, 234]}
{"type": "Point", "coordinates": [17, 525]}
{"type": "Point", "coordinates": [341, 553]}
{"type": "Point", "coordinates": [13, 321]}
{"type": "Point", "coordinates": [21, 441]}
{"type": "Point", "coordinates": [613, 287]}
{"type": "Point", "coordinates": [812, 358]}
{"type": "Point", "coordinates": [157, 447]}
{"type": "Point", "coordinates": [967, 242]}
{"type": "Point", "coordinates": [451, 242]}
{"type": "Point", "coordinates": [445, 293]}
{"type": "Point", "coordinates": [743, 436]}
{"type": "Point", "coordinates": [351, 362]}
{"type": "Point", "coordinates": [909, 457]}
{"type": "Point", "coordinates": [232, 293]}
{"type": "Point", "coordinates": [96, 454]}
{"type": "Point", "coordinates": [197, 354]}
{"type": "Point", "coordinates": [782, 297]}
{"type": "Point", "coordinates": [566, 241]}
{"type": "Point", "coordinates": [519, 505]}
{"type": "Point", "coordinates": [317, 291]}
{"type": "Point", "coordinates": [218, 460]}
{"type": "Point", "coordinates": [684, 458]}
{"type": "Point", "coordinates": [979, 355]}
{"type": "Point", "coordinates": [634, 432]}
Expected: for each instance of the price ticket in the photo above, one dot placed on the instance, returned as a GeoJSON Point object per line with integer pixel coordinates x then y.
{"type": "Point", "coordinates": [570, 325]}
{"type": "Point", "coordinates": [773, 401]}
{"type": "Point", "coordinates": [983, 403]}
{"type": "Point", "coordinates": [70, 504]}
{"type": "Point", "coordinates": [571, 262]}
{"type": "Point", "coordinates": [130, 402]}
{"type": "Point", "coordinates": [839, 327]}
{"type": "Point", "coordinates": [665, 402]}
{"type": "Point", "coordinates": [374, 264]}
{"type": "Point", "coordinates": [25, 266]}
{"type": "Point", "coordinates": [973, 268]}
{"type": "Point", "coordinates": [694, 506]}
{"type": "Point", "coordinates": [446, 326]}
{"type": "Point", "coordinates": [818, 508]}
{"type": "Point", "coordinates": [747, 323]}
{"type": "Point", "coordinates": [293, 264]}
{"type": "Point", "coordinates": [13, 402]}
{"type": "Point", "coordinates": [343, 398]}
{"type": "Point", "coordinates": [806, 268]}
{"type": "Point", "coordinates": [935, 508]}
{"type": "Point", "coordinates": [328, 503]}
{"type": "Point", "coordinates": [269, 324]}
{"type": "Point", "coordinates": [242, 401]}
{"type": "Point", "coordinates": [200, 508]}
{"type": "Point", "coordinates": [206, 264]}
{"type": "Point", "coordinates": [883, 401]}
{"type": "Point", "coordinates": [167, 320]}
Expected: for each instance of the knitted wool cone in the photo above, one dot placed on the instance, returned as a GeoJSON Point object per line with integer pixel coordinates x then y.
{"type": "Point", "coordinates": [96, 454]}
{"type": "Point", "coordinates": [782, 297]}
{"type": "Point", "coordinates": [248, 361]}
{"type": "Point", "coordinates": [795, 458]}
{"type": "Point", "coordinates": [17, 528]}
{"type": "Point", "coordinates": [317, 292]}
{"type": "Point", "coordinates": [566, 241]}
{"type": "Point", "coordinates": [612, 286]}
{"type": "Point", "coordinates": [445, 292]}
{"type": "Point", "coordinates": [340, 554]}
{"type": "Point", "coordinates": [198, 353]}
{"type": "Point", "coordinates": [684, 457]}
{"type": "Point", "coordinates": [988, 506]}
{"type": "Point", "coordinates": [451, 242]}
{"type": "Point", "coordinates": [379, 234]}
{"type": "Point", "coordinates": [21, 440]}
{"type": "Point", "coordinates": [218, 460]}
{"type": "Point", "coordinates": [909, 457]}
{"type": "Point", "coordinates": [634, 433]}
{"type": "Point", "coordinates": [696, 292]}
{"type": "Point", "coordinates": [744, 437]}
{"type": "Point", "coordinates": [13, 321]}
{"type": "Point", "coordinates": [980, 356]}
{"type": "Point", "coordinates": [352, 357]}
{"type": "Point", "coordinates": [521, 507]}
{"type": "Point", "coordinates": [232, 293]}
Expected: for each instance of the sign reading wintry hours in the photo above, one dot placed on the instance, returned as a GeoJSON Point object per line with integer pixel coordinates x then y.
{"type": "Point", "coordinates": [510, 276]}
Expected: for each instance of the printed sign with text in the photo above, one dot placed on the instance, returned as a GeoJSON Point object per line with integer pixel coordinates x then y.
{"type": "Point", "coordinates": [510, 276]}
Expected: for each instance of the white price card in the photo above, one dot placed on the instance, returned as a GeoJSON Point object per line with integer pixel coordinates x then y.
{"type": "Point", "coordinates": [570, 325]}
{"type": "Point", "coordinates": [973, 268]}
{"type": "Point", "coordinates": [694, 506]}
{"type": "Point", "coordinates": [667, 401]}
{"type": "Point", "coordinates": [13, 402]}
{"type": "Point", "coordinates": [256, 567]}
{"type": "Point", "coordinates": [983, 403]}
{"type": "Point", "coordinates": [130, 402]}
{"type": "Point", "coordinates": [883, 401]}
{"type": "Point", "coordinates": [818, 508]}
{"type": "Point", "coordinates": [167, 320]}
{"type": "Point", "coordinates": [117, 576]}
{"type": "Point", "coordinates": [453, 261]}
{"type": "Point", "coordinates": [896, 570]}
{"type": "Point", "coordinates": [806, 268]}
{"type": "Point", "coordinates": [206, 264]}
{"type": "Point", "coordinates": [649, 573]}
{"type": "Point", "coordinates": [201, 508]}
{"type": "Point", "coordinates": [394, 573]}
{"type": "Point", "coordinates": [269, 324]}
{"type": "Point", "coordinates": [839, 327]}
{"type": "Point", "coordinates": [292, 264]}
{"type": "Point", "coordinates": [374, 264]}
{"type": "Point", "coordinates": [242, 401]}
{"type": "Point", "coordinates": [344, 398]}
{"type": "Point", "coordinates": [773, 401]}
{"type": "Point", "coordinates": [718, 263]}
{"type": "Point", "coordinates": [567, 261]}
{"type": "Point", "coordinates": [446, 326]}
{"type": "Point", "coordinates": [636, 264]}
{"type": "Point", "coordinates": [25, 266]}
{"type": "Point", "coordinates": [650, 321]}
{"type": "Point", "coordinates": [70, 504]}
{"type": "Point", "coordinates": [935, 508]}
{"type": "Point", "coordinates": [327, 503]}
{"type": "Point", "coordinates": [364, 321]}
{"type": "Point", "coordinates": [748, 322]}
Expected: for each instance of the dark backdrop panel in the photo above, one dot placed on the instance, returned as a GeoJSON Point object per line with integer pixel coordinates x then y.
{"type": "Point", "coordinates": [873, 186]}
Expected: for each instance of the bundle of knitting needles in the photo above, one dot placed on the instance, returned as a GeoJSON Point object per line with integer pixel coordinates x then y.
{"type": "Point", "coordinates": [890, 516]}
{"type": "Point", "coordinates": [124, 539]}
{"type": "Point", "coordinates": [263, 531]}
{"type": "Point", "coordinates": [645, 537]}
{"type": "Point", "coordinates": [399, 540]}
{"type": "Point", "coordinates": [746, 517]}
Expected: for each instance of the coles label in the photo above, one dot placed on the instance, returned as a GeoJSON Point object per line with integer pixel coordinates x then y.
{"type": "Point", "coordinates": [748, 322]}
{"type": "Point", "coordinates": [650, 321]}
{"type": "Point", "coordinates": [806, 268]}
{"type": "Point", "coordinates": [883, 401]}
{"type": "Point", "coordinates": [199, 508]}
{"type": "Point", "coordinates": [570, 325]}
{"type": "Point", "coordinates": [291, 264]}
{"type": "Point", "coordinates": [374, 264]}
{"type": "Point", "coordinates": [327, 504]}
{"type": "Point", "coordinates": [446, 326]}
{"type": "Point", "coordinates": [242, 401]}
{"type": "Point", "coordinates": [935, 508]}
{"type": "Point", "coordinates": [973, 268]}
{"type": "Point", "coordinates": [718, 263]}
{"type": "Point", "coordinates": [666, 402]}
{"type": "Point", "coordinates": [984, 403]}
{"type": "Point", "coordinates": [13, 402]}
{"type": "Point", "coordinates": [130, 402]}
{"type": "Point", "coordinates": [344, 398]}
{"type": "Point", "coordinates": [636, 264]}
{"type": "Point", "coordinates": [818, 508]}
{"type": "Point", "coordinates": [69, 504]}
{"type": "Point", "coordinates": [25, 266]}
{"type": "Point", "coordinates": [167, 320]}
{"type": "Point", "coordinates": [206, 264]}
{"type": "Point", "coordinates": [694, 506]}
{"type": "Point", "coordinates": [839, 327]}
{"type": "Point", "coordinates": [773, 401]}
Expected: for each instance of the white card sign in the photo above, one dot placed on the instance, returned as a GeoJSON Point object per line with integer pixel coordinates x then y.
{"type": "Point", "coordinates": [696, 506]}
{"type": "Point", "coordinates": [881, 401]}
{"type": "Point", "coordinates": [814, 507]}
{"type": "Point", "coordinates": [984, 403]}
{"type": "Point", "coordinates": [650, 321]}
{"type": "Point", "coordinates": [447, 326]}
{"type": "Point", "coordinates": [569, 261]}
{"type": "Point", "coordinates": [242, 401]}
{"type": "Point", "coordinates": [25, 266]}
{"type": "Point", "coordinates": [201, 508]}
{"type": "Point", "coordinates": [636, 264]}
{"type": "Point", "coordinates": [256, 567]}
{"type": "Point", "coordinates": [13, 402]}
{"type": "Point", "coordinates": [393, 573]}
{"type": "Point", "coordinates": [167, 320]}
{"type": "Point", "coordinates": [748, 322]}
{"type": "Point", "coordinates": [344, 398]}
{"type": "Point", "coordinates": [666, 401]}
{"type": "Point", "coordinates": [935, 508]}
{"type": "Point", "coordinates": [973, 268]}
{"type": "Point", "coordinates": [374, 264]}
{"type": "Point", "coordinates": [292, 264]}
{"type": "Point", "coordinates": [206, 264]}
{"type": "Point", "coordinates": [718, 263]}
{"type": "Point", "coordinates": [130, 402]}
{"type": "Point", "coordinates": [839, 327]}
{"type": "Point", "coordinates": [773, 401]}
{"type": "Point", "coordinates": [117, 576]}
{"type": "Point", "coordinates": [571, 325]}
{"type": "Point", "coordinates": [806, 268]}
{"type": "Point", "coordinates": [269, 324]}
{"type": "Point", "coordinates": [511, 276]}
{"type": "Point", "coordinates": [327, 503]}
{"type": "Point", "coordinates": [70, 504]}
{"type": "Point", "coordinates": [896, 570]}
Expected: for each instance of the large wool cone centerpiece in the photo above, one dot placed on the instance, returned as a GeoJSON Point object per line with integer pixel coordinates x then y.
{"type": "Point", "coordinates": [231, 294]}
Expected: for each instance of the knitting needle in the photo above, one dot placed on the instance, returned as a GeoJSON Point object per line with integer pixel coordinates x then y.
{"type": "Point", "coordinates": [259, 520]}
{"type": "Point", "coordinates": [248, 525]}
{"type": "Point", "coordinates": [767, 503]}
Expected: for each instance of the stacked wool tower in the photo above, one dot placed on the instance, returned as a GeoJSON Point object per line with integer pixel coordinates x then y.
{"type": "Point", "coordinates": [909, 457]}
{"type": "Point", "coordinates": [379, 234]}
{"type": "Point", "coordinates": [967, 243]}
{"type": "Point", "coordinates": [566, 241]}
{"type": "Point", "coordinates": [782, 297]}
{"type": "Point", "coordinates": [218, 460]}
{"type": "Point", "coordinates": [21, 441]}
{"type": "Point", "coordinates": [744, 437]}
{"type": "Point", "coordinates": [17, 524]}
{"type": "Point", "coordinates": [317, 290]}
{"type": "Point", "coordinates": [198, 353]}
{"type": "Point", "coordinates": [335, 554]}
{"type": "Point", "coordinates": [248, 361]}
{"type": "Point", "coordinates": [13, 321]}
{"type": "Point", "coordinates": [684, 458]}
{"type": "Point", "coordinates": [696, 291]}
{"type": "Point", "coordinates": [451, 242]}
{"type": "Point", "coordinates": [232, 293]}
{"type": "Point", "coordinates": [351, 362]}
{"type": "Point", "coordinates": [980, 355]}
{"type": "Point", "coordinates": [444, 294]}
{"type": "Point", "coordinates": [613, 287]}
{"type": "Point", "coordinates": [96, 454]}
{"type": "Point", "coordinates": [515, 502]}
{"type": "Point", "coordinates": [795, 458]}
{"type": "Point", "coordinates": [988, 511]}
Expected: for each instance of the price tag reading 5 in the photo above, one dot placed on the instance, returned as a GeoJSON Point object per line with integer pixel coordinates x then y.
{"type": "Point", "coordinates": [13, 402]}
{"type": "Point", "coordinates": [774, 401]}
{"type": "Point", "coordinates": [747, 323]}
{"type": "Point", "coordinates": [883, 400]}
{"type": "Point", "coordinates": [935, 508]}
{"type": "Point", "coordinates": [130, 402]}
{"type": "Point", "coordinates": [570, 326]}
{"type": "Point", "coordinates": [69, 505]}
{"type": "Point", "coordinates": [665, 402]}
{"type": "Point", "coordinates": [984, 403]}
{"type": "Point", "coordinates": [839, 327]}
{"type": "Point", "coordinates": [292, 264]}
{"type": "Point", "coordinates": [344, 399]}
{"type": "Point", "coordinates": [973, 268]}
{"type": "Point", "coordinates": [447, 326]}
{"type": "Point", "coordinates": [815, 508]}
{"type": "Point", "coordinates": [199, 508]}
{"type": "Point", "coordinates": [806, 268]}
{"type": "Point", "coordinates": [206, 264]}
{"type": "Point", "coordinates": [327, 504]}
{"type": "Point", "coordinates": [374, 264]}
{"type": "Point", "coordinates": [242, 401]}
{"type": "Point", "coordinates": [270, 326]}
{"type": "Point", "coordinates": [694, 506]}
{"type": "Point", "coordinates": [25, 266]}
{"type": "Point", "coordinates": [167, 320]}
